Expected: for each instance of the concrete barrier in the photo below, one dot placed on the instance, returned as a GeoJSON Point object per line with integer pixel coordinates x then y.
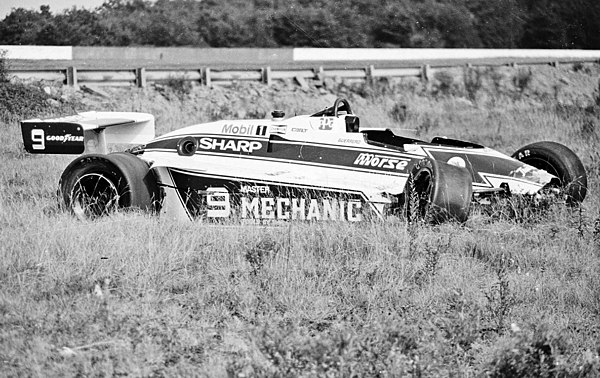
{"type": "Point", "coordinates": [38, 52]}
{"type": "Point", "coordinates": [328, 54]}
{"type": "Point", "coordinates": [182, 55]}
{"type": "Point", "coordinates": [178, 56]}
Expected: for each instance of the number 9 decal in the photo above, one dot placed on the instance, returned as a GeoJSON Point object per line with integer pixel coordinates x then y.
{"type": "Point", "coordinates": [38, 139]}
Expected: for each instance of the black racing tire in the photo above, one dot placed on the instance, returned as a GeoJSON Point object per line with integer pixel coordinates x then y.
{"type": "Point", "coordinates": [437, 192]}
{"type": "Point", "coordinates": [561, 162]}
{"type": "Point", "coordinates": [96, 185]}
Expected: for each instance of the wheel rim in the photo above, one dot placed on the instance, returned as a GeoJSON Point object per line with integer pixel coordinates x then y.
{"type": "Point", "coordinates": [94, 195]}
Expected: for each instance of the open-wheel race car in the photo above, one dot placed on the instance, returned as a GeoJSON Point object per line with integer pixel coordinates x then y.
{"type": "Point", "coordinates": [315, 167]}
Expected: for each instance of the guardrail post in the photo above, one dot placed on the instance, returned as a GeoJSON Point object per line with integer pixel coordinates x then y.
{"type": "Point", "coordinates": [140, 77]}
{"type": "Point", "coordinates": [266, 76]}
{"type": "Point", "coordinates": [555, 64]}
{"type": "Point", "coordinates": [206, 77]}
{"type": "Point", "coordinates": [425, 72]}
{"type": "Point", "coordinates": [72, 77]}
{"type": "Point", "coordinates": [319, 73]}
{"type": "Point", "coordinates": [370, 74]}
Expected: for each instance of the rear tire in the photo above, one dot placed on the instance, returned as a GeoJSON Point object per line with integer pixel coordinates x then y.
{"type": "Point", "coordinates": [437, 192]}
{"type": "Point", "coordinates": [561, 162]}
{"type": "Point", "coordinates": [96, 185]}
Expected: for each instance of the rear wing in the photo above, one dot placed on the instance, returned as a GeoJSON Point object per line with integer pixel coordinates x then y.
{"type": "Point", "coordinates": [88, 132]}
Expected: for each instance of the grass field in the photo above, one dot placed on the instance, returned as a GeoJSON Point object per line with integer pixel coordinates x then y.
{"type": "Point", "coordinates": [138, 295]}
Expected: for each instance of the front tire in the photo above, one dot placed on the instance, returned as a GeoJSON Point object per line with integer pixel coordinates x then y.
{"type": "Point", "coordinates": [97, 185]}
{"type": "Point", "coordinates": [561, 162]}
{"type": "Point", "coordinates": [437, 192]}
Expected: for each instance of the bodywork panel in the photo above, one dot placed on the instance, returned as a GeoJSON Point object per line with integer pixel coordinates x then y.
{"type": "Point", "coordinates": [264, 169]}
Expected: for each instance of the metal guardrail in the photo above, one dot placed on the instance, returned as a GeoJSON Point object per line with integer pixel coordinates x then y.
{"type": "Point", "coordinates": [140, 77]}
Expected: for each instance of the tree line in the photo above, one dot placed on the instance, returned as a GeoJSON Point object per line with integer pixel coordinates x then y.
{"type": "Point", "coordinates": [313, 23]}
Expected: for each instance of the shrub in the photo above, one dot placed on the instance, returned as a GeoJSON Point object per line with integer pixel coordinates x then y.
{"type": "Point", "coordinates": [472, 82]}
{"type": "Point", "coordinates": [522, 79]}
{"type": "Point", "coordinates": [180, 86]}
{"type": "Point", "coordinates": [4, 65]}
{"type": "Point", "coordinates": [398, 113]}
{"type": "Point", "coordinates": [20, 101]}
{"type": "Point", "coordinates": [539, 354]}
{"type": "Point", "coordinates": [444, 83]}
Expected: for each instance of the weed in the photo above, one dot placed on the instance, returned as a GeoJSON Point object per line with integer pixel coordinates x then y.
{"type": "Point", "coordinates": [496, 77]}
{"type": "Point", "coordinates": [444, 83]}
{"type": "Point", "coordinates": [377, 88]}
{"type": "Point", "coordinates": [374, 351]}
{"type": "Point", "coordinates": [427, 125]}
{"type": "Point", "coordinates": [433, 252]}
{"type": "Point", "coordinates": [596, 233]}
{"type": "Point", "coordinates": [472, 79]}
{"type": "Point", "coordinates": [578, 66]}
{"type": "Point", "coordinates": [538, 353]}
{"type": "Point", "coordinates": [180, 86]}
{"type": "Point", "coordinates": [4, 67]}
{"type": "Point", "coordinates": [522, 209]}
{"type": "Point", "coordinates": [257, 254]}
{"type": "Point", "coordinates": [500, 299]}
{"type": "Point", "coordinates": [461, 321]}
{"type": "Point", "coordinates": [581, 222]}
{"type": "Point", "coordinates": [256, 114]}
{"type": "Point", "coordinates": [398, 113]}
{"type": "Point", "coordinates": [522, 79]}
{"type": "Point", "coordinates": [412, 229]}
{"type": "Point", "coordinates": [220, 112]}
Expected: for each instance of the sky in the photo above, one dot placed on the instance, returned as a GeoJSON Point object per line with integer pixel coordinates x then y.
{"type": "Point", "coordinates": [55, 5]}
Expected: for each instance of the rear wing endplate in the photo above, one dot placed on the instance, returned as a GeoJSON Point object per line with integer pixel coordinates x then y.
{"type": "Point", "coordinates": [88, 132]}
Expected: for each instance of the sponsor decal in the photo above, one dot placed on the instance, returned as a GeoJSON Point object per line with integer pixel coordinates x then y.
{"type": "Point", "coordinates": [229, 145]}
{"type": "Point", "coordinates": [523, 154]}
{"type": "Point", "coordinates": [261, 130]}
{"type": "Point", "coordinates": [298, 130]}
{"type": "Point", "coordinates": [345, 140]}
{"type": "Point", "coordinates": [255, 189]}
{"type": "Point", "coordinates": [278, 129]}
{"type": "Point", "coordinates": [300, 209]}
{"type": "Point", "coordinates": [377, 161]}
{"type": "Point", "coordinates": [278, 208]}
{"type": "Point", "coordinates": [326, 124]}
{"type": "Point", "coordinates": [64, 138]}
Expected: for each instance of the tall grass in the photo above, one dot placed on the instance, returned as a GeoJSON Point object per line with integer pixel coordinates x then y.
{"type": "Point", "coordinates": [141, 295]}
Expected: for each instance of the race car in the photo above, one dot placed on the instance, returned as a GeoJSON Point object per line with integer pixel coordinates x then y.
{"type": "Point", "coordinates": [318, 167]}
